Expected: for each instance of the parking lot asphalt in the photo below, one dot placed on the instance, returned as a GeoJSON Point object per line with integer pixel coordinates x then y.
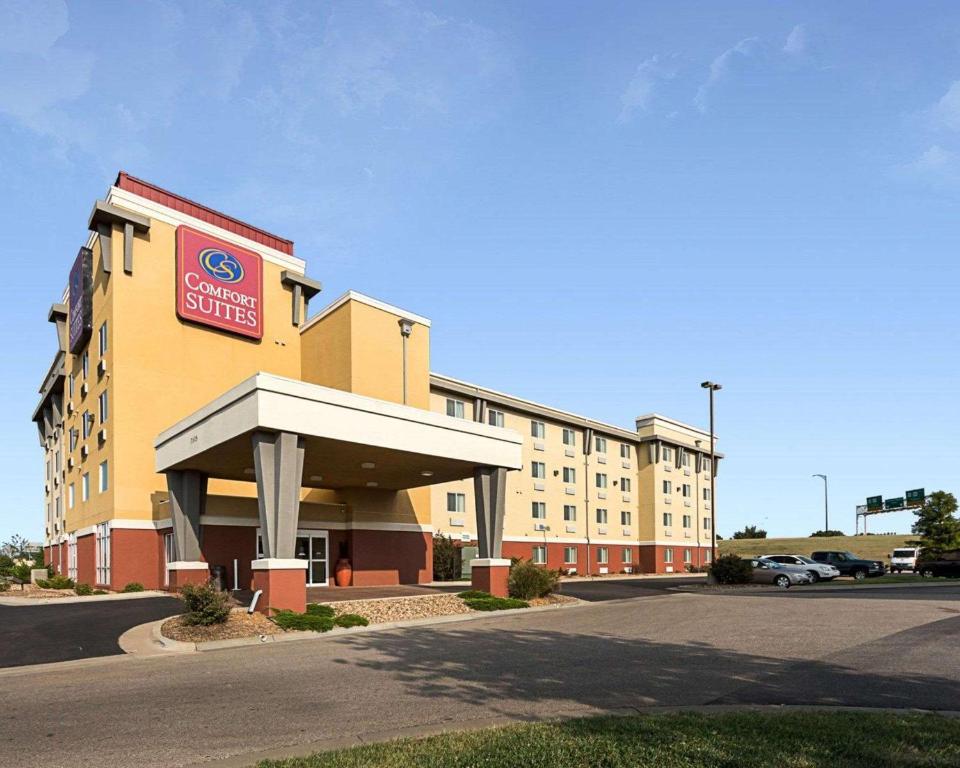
{"type": "Point", "coordinates": [604, 589]}
{"type": "Point", "coordinates": [39, 634]}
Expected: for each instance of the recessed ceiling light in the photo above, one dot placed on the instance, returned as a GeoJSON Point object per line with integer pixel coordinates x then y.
{"type": "Point", "coordinates": [316, 478]}
{"type": "Point", "coordinates": [427, 473]}
{"type": "Point", "coordinates": [372, 484]}
{"type": "Point", "coordinates": [368, 465]}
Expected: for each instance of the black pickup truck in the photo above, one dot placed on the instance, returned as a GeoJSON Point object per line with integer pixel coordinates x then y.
{"type": "Point", "coordinates": [850, 565]}
{"type": "Point", "coordinates": [946, 563]}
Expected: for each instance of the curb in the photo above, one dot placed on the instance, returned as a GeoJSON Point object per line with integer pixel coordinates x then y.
{"type": "Point", "coordinates": [22, 602]}
{"type": "Point", "coordinates": [809, 588]}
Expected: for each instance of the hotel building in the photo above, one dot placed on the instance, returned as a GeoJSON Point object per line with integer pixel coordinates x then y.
{"type": "Point", "coordinates": [194, 416]}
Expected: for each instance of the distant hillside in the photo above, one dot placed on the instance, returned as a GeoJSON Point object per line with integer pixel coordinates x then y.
{"type": "Point", "coordinates": [869, 547]}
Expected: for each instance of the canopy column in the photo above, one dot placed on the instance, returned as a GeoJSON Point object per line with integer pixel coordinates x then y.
{"type": "Point", "coordinates": [490, 572]}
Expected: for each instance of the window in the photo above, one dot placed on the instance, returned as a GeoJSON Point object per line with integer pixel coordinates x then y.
{"type": "Point", "coordinates": [70, 496]}
{"type": "Point", "coordinates": [570, 555]}
{"type": "Point", "coordinates": [73, 439]}
{"type": "Point", "coordinates": [569, 475]}
{"type": "Point", "coordinates": [70, 384]}
{"type": "Point", "coordinates": [58, 461]}
{"type": "Point", "coordinates": [686, 521]}
{"type": "Point", "coordinates": [684, 459]}
{"type": "Point", "coordinates": [538, 429]}
{"type": "Point", "coordinates": [706, 523]}
{"type": "Point", "coordinates": [624, 451]}
{"type": "Point", "coordinates": [625, 484]}
{"type": "Point", "coordinates": [601, 516]}
{"type": "Point", "coordinates": [540, 555]}
{"type": "Point", "coordinates": [625, 517]}
{"type": "Point", "coordinates": [668, 555]}
{"type": "Point", "coordinates": [539, 510]}
{"type": "Point", "coordinates": [102, 401]}
{"type": "Point", "coordinates": [601, 480]}
{"type": "Point", "coordinates": [687, 556]}
{"type": "Point", "coordinates": [627, 556]}
{"type": "Point", "coordinates": [85, 486]}
{"type": "Point", "coordinates": [667, 486]}
{"type": "Point", "coordinates": [708, 556]}
{"type": "Point", "coordinates": [686, 490]}
{"type": "Point", "coordinates": [495, 418]}
{"type": "Point", "coordinates": [102, 335]}
{"type": "Point", "coordinates": [667, 519]}
{"type": "Point", "coordinates": [103, 553]}
{"type": "Point", "coordinates": [87, 423]}
{"type": "Point", "coordinates": [104, 477]}
{"type": "Point", "coordinates": [85, 363]}
{"type": "Point", "coordinates": [455, 408]}
{"type": "Point", "coordinates": [602, 556]}
{"type": "Point", "coordinates": [569, 437]}
{"type": "Point", "coordinates": [667, 453]}
{"type": "Point", "coordinates": [569, 513]}
{"type": "Point", "coordinates": [706, 464]}
{"type": "Point", "coordinates": [456, 502]}
{"type": "Point", "coordinates": [72, 556]}
{"type": "Point", "coordinates": [538, 469]}
{"type": "Point", "coordinates": [706, 494]}
{"type": "Point", "coordinates": [600, 444]}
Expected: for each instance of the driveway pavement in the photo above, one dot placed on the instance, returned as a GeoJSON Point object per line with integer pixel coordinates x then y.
{"type": "Point", "coordinates": [671, 650]}
{"type": "Point", "coordinates": [38, 634]}
{"type": "Point", "coordinates": [600, 590]}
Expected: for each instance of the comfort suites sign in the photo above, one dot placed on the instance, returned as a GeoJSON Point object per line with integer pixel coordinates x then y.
{"type": "Point", "coordinates": [219, 284]}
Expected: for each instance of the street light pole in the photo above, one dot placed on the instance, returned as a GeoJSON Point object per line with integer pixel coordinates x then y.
{"type": "Point", "coordinates": [712, 387]}
{"type": "Point", "coordinates": [826, 504]}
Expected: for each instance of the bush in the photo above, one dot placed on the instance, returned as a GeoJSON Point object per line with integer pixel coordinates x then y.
{"type": "Point", "coordinates": [133, 586]}
{"type": "Point", "coordinates": [100, 592]}
{"type": "Point", "coordinates": [312, 622]}
{"type": "Point", "coordinates": [83, 590]}
{"type": "Point", "coordinates": [470, 593]}
{"type": "Point", "coordinates": [56, 581]}
{"type": "Point", "coordinates": [350, 620]}
{"type": "Point", "coordinates": [447, 559]}
{"type": "Point", "coordinates": [817, 534]}
{"type": "Point", "coordinates": [6, 565]}
{"type": "Point", "coordinates": [732, 569]}
{"type": "Point", "coordinates": [529, 580]}
{"type": "Point", "coordinates": [750, 532]}
{"type": "Point", "coordinates": [491, 603]}
{"type": "Point", "coordinates": [205, 604]}
{"type": "Point", "coordinates": [4, 586]}
{"type": "Point", "coordinates": [316, 609]}
{"type": "Point", "coordinates": [22, 571]}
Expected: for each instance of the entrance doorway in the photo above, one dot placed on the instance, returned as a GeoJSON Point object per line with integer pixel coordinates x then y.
{"type": "Point", "coordinates": [313, 547]}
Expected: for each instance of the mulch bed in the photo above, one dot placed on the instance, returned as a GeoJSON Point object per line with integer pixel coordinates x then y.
{"type": "Point", "coordinates": [240, 624]}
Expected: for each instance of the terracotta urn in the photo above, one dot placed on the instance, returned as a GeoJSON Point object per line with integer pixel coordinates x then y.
{"type": "Point", "coordinates": [343, 572]}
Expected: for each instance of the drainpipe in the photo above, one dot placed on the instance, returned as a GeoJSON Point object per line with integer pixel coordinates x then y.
{"type": "Point", "coordinates": [587, 448]}
{"type": "Point", "coordinates": [406, 327]}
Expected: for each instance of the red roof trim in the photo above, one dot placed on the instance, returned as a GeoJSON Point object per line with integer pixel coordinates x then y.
{"type": "Point", "coordinates": [182, 204]}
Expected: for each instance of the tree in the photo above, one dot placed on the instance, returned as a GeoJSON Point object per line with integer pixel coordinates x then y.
{"type": "Point", "coordinates": [17, 546]}
{"type": "Point", "coordinates": [446, 559]}
{"type": "Point", "coordinates": [750, 532]}
{"type": "Point", "coordinates": [937, 524]}
{"type": "Point", "coordinates": [827, 532]}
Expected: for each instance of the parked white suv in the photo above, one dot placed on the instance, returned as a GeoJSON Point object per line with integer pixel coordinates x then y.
{"type": "Point", "coordinates": [904, 559]}
{"type": "Point", "coordinates": [817, 571]}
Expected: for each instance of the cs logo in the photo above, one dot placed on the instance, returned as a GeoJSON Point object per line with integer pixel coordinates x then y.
{"type": "Point", "coordinates": [221, 265]}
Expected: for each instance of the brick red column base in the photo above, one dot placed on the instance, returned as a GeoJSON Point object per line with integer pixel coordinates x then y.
{"type": "Point", "coordinates": [490, 575]}
{"type": "Point", "coordinates": [181, 575]}
{"type": "Point", "coordinates": [283, 584]}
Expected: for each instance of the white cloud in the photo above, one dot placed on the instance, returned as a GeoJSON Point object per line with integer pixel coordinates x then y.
{"type": "Point", "coordinates": [935, 159]}
{"type": "Point", "coordinates": [639, 91]}
{"type": "Point", "coordinates": [946, 112]}
{"type": "Point", "coordinates": [720, 68]}
{"type": "Point", "coordinates": [796, 41]}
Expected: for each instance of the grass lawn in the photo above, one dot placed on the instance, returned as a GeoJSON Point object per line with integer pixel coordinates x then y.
{"type": "Point", "coordinates": [740, 740]}
{"type": "Point", "coordinates": [868, 547]}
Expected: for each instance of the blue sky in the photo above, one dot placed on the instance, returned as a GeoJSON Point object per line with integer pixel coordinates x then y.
{"type": "Point", "coordinates": [598, 204]}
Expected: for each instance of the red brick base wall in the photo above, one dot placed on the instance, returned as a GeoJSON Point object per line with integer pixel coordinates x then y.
{"type": "Point", "coordinates": [86, 559]}
{"type": "Point", "coordinates": [643, 559]}
{"type": "Point", "coordinates": [136, 556]}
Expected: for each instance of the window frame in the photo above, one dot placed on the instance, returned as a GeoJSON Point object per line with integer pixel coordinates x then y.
{"type": "Point", "coordinates": [538, 430]}
{"type": "Point", "coordinates": [537, 467]}
{"type": "Point", "coordinates": [459, 408]}
{"type": "Point", "coordinates": [538, 510]}
{"type": "Point", "coordinates": [457, 498]}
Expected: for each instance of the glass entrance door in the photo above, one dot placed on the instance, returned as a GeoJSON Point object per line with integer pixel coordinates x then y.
{"type": "Point", "coordinates": [312, 547]}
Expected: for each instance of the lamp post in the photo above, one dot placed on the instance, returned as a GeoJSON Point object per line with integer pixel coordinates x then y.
{"type": "Point", "coordinates": [826, 504]}
{"type": "Point", "coordinates": [711, 387]}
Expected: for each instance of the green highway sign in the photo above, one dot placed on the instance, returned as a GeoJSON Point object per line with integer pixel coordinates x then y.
{"type": "Point", "coordinates": [915, 497]}
{"type": "Point", "coordinates": [874, 502]}
{"type": "Point", "coordinates": [893, 503]}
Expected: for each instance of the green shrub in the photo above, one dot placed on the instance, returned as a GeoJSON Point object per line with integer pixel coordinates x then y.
{"type": "Point", "coordinates": [350, 620]}
{"type": "Point", "coordinates": [133, 586]}
{"type": "Point", "coordinates": [472, 593]}
{"type": "Point", "coordinates": [491, 603]}
{"type": "Point", "coordinates": [205, 604]}
{"type": "Point", "coordinates": [529, 580]}
{"type": "Point", "coordinates": [731, 569]}
{"type": "Point", "coordinates": [22, 571]}
{"type": "Point", "coordinates": [83, 590]}
{"type": "Point", "coordinates": [447, 559]}
{"type": "Point", "coordinates": [6, 565]}
{"type": "Point", "coordinates": [312, 622]}
{"type": "Point", "coordinates": [100, 592]}
{"type": "Point", "coordinates": [4, 586]}
{"type": "Point", "coordinates": [316, 609]}
{"type": "Point", "coordinates": [56, 581]}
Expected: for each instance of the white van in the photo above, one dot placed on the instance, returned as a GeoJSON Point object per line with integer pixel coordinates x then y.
{"type": "Point", "coordinates": [904, 559]}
